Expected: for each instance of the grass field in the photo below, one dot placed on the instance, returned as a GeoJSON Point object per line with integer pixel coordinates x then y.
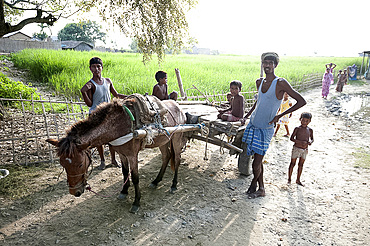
{"type": "Point", "coordinates": [67, 71]}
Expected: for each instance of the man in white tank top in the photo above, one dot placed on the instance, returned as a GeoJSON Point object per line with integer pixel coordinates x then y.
{"type": "Point", "coordinates": [259, 131]}
{"type": "Point", "coordinates": [96, 91]}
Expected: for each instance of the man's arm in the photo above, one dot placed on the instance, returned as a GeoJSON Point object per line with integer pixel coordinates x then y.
{"type": "Point", "coordinates": [87, 93]}
{"type": "Point", "coordinates": [284, 86]}
{"type": "Point", "coordinates": [113, 90]}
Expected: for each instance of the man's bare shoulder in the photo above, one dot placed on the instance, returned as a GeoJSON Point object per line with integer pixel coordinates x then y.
{"type": "Point", "coordinates": [88, 86]}
{"type": "Point", "coordinates": [282, 81]}
{"type": "Point", "coordinates": [258, 81]}
{"type": "Point", "coordinates": [108, 80]}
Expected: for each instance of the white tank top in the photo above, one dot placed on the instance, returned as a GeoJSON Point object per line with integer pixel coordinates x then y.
{"type": "Point", "coordinates": [101, 94]}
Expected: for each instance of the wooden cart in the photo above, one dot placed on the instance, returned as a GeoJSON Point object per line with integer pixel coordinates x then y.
{"type": "Point", "coordinates": [216, 130]}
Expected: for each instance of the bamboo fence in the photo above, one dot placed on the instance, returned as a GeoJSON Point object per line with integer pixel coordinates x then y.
{"type": "Point", "coordinates": [24, 129]}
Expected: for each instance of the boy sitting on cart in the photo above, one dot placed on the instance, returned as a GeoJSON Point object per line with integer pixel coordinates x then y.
{"type": "Point", "coordinates": [236, 110]}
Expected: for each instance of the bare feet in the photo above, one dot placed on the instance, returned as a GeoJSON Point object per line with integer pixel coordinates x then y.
{"type": "Point", "coordinates": [289, 181]}
{"type": "Point", "coordinates": [286, 135]}
{"type": "Point", "coordinates": [299, 183]}
{"type": "Point", "coordinates": [274, 135]}
{"type": "Point", "coordinates": [251, 189]}
{"type": "Point", "coordinates": [259, 193]}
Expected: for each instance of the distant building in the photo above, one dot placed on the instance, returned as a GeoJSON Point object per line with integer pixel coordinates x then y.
{"type": "Point", "coordinates": [17, 36]}
{"type": "Point", "coordinates": [52, 39]}
{"type": "Point", "coordinates": [201, 51]}
{"type": "Point", "coordinates": [77, 45]}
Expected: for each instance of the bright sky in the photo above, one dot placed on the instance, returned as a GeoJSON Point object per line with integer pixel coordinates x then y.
{"type": "Point", "coordinates": [290, 27]}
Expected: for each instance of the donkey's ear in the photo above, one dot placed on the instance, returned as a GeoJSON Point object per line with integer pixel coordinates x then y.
{"type": "Point", "coordinates": [52, 141]}
{"type": "Point", "coordinates": [83, 146]}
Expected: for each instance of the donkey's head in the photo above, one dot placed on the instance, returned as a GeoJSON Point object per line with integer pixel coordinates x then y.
{"type": "Point", "coordinates": [76, 159]}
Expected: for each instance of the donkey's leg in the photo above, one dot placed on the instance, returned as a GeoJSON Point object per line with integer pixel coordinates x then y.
{"type": "Point", "coordinates": [166, 155]}
{"type": "Point", "coordinates": [177, 143]}
{"type": "Point", "coordinates": [132, 160]}
{"type": "Point", "coordinates": [125, 172]}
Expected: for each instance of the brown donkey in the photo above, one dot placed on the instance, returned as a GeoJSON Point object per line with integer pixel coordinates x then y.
{"type": "Point", "coordinates": [109, 122]}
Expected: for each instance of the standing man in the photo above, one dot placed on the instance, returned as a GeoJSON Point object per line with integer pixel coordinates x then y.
{"type": "Point", "coordinates": [96, 91]}
{"type": "Point", "coordinates": [260, 129]}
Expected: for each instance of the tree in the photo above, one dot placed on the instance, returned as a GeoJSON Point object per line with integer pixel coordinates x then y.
{"type": "Point", "coordinates": [41, 35]}
{"type": "Point", "coordinates": [46, 11]}
{"type": "Point", "coordinates": [156, 25]}
{"type": "Point", "coordinates": [133, 46]}
{"type": "Point", "coordinates": [88, 31]}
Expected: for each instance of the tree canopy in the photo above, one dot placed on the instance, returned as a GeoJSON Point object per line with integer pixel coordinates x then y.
{"type": "Point", "coordinates": [156, 25]}
{"type": "Point", "coordinates": [88, 31]}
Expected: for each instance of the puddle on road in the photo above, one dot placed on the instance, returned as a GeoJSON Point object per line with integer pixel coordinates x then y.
{"type": "Point", "coordinates": [357, 104]}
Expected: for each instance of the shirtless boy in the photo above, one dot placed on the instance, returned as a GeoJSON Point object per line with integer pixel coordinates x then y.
{"type": "Point", "coordinates": [160, 89]}
{"type": "Point", "coordinates": [302, 137]}
{"type": "Point", "coordinates": [96, 91]}
{"type": "Point", "coordinates": [236, 110]}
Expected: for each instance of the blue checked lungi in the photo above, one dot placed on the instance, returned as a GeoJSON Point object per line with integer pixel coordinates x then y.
{"type": "Point", "coordinates": [257, 140]}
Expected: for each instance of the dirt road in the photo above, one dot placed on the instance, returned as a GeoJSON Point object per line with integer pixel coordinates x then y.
{"type": "Point", "coordinates": [210, 206]}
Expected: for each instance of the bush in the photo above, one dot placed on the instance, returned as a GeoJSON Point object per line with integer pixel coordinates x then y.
{"type": "Point", "coordinates": [12, 89]}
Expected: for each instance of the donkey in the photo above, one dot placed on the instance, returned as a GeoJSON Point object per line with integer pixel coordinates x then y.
{"type": "Point", "coordinates": [108, 122]}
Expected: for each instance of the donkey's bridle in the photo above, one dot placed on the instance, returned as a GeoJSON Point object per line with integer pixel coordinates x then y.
{"type": "Point", "coordinates": [84, 174]}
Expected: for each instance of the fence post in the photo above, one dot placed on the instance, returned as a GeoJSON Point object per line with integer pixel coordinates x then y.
{"type": "Point", "coordinates": [25, 129]}
{"type": "Point", "coordinates": [179, 81]}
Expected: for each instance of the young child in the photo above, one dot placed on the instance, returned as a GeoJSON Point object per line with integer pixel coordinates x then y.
{"type": "Point", "coordinates": [229, 98]}
{"type": "Point", "coordinates": [160, 89]}
{"type": "Point", "coordinates": [285, 104]}
{"type": "Point", "coordinates": [236, 110]}
{"type": "Point", "coordinates": [302, 137]}
{"type": "Point", "coordinates": [227, 104]}
{"type": "Point", "coordinates": [96, 91]}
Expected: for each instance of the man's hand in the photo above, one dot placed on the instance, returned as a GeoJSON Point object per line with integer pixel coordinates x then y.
{"type": "Point", "coordinates": [275, 120]}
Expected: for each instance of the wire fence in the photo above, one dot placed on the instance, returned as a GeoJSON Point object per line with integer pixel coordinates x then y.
{"type": "Point", "coordinates": [26, 124]}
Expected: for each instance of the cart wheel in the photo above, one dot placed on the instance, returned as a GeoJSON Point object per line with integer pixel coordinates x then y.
{"type": "Point", "coordinates": [244, 162]}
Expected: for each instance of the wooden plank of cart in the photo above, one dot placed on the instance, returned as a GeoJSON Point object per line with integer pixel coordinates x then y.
{"type": "Point", "coordinates": [217, 129]}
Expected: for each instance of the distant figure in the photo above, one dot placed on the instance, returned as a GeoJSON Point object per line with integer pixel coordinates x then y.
{"type": "Point", "coordinates": [160, 89]}
{"type": "Point", "coordinates": [236, 110]}
{"type": "Point", "coordinates": [302, 137]}
{"type": "Point", "coordinates": [285, 105]}
{"type": "Point", "coordinates": [345, 72]}
{"type": "Point", "coordinates": [331, 66]}
{"type": "Point", "coordinates": [342, 79]}
{"type": "Point", "coordinates": [326, 81]}
{"type": "Point", "coordinates": [339, 73]}
{"type": "Point", "coordinates": [96, 91]}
